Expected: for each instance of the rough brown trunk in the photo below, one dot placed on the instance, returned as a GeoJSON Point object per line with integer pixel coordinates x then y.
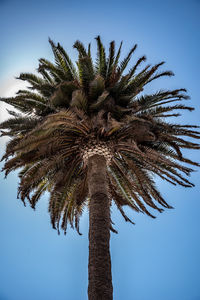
{"type": "Point", "coordinates": [99, 266]}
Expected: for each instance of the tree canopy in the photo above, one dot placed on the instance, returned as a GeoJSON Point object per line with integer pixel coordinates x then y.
{"type": "Point", "coordinates": [70, 112]}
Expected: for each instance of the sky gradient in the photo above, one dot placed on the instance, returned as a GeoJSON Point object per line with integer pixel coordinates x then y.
{"type": "Point", "coordinates": [153, 260]}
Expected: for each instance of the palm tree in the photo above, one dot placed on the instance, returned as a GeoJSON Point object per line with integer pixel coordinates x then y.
{"type": "Point", "coordinates": [89, 136]}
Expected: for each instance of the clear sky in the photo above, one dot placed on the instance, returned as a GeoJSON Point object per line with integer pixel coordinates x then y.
{"type": "Point", "coordinates": [153, 260]}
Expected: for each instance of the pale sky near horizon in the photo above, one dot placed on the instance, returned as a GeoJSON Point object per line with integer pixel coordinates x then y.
{"type": "Point", "coordinates": [153, 260]}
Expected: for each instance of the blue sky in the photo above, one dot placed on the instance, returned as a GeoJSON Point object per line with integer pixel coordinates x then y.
{"type": "Point", "coordinates": [155, 259]}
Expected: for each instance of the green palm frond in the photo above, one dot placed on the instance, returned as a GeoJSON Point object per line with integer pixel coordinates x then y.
{"type": "Point", "coordinates": [26, 105]}
{"type": "Point", "coordinates": [101, 64]}
{"type": "Point", "coordinates": [81, 49]}
{"type": "Point", "coordinates": [32, 79]}
{"type": "Point", "coordinates": [86, 73]}
{"type": "Point", "coordinates": [69, 62]}
{"type": "Point", "coordinates": [56, 73]}
{"type": "Point", "coordinates": [134, 68]}
{"type": "Point", "coordinates": [46, 76]}
{"type": "Point", "coordinates": [61, 61]}
{"type": "Point", "coordinates": [110, 60]}
{"type": "Point", "coordinates": [118, 56]}
{"type": "Point", "coordinates": [126, 60]}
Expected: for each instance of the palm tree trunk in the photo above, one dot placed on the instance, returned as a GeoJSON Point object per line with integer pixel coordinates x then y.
{"type": "Point", "coordinates": [99, 266]}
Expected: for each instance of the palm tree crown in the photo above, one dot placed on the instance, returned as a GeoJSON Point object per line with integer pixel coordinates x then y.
{"type": "Point", "coordinates": [70, 113]}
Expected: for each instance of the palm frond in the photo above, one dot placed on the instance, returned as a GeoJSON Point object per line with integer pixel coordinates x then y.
{"type": "Point", "coordinates": [126, 60]}
{"type": "Point", "coordinates": [101, 64]}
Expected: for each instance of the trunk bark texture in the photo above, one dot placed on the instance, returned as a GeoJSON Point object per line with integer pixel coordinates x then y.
{"type": "Point", "coordinates": [99, 266]}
